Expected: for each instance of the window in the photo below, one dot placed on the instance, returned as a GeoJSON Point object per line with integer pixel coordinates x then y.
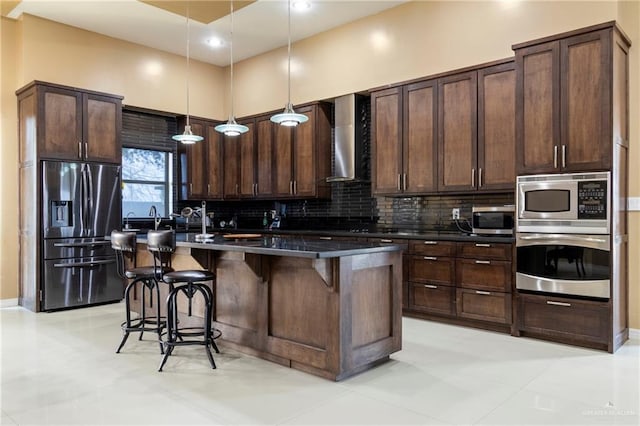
{"type": "Point", "coordinates": [147, 180]}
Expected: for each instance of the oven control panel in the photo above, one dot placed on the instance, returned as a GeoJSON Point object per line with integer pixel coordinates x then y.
{"type": "Point", "coordinates": [592, 199]}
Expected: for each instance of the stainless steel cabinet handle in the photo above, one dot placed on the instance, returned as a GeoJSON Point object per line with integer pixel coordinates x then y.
{"type": "Point", "coordinates": [191, 188]}
{"type": "Point", "coordinates": [255, 191]}
{"type": "Point", "coordinates": [325, 238]}
{"type": "Point", "coordinates": [431, 243]}
{"type": "Point", "coordinates": [208, 189]}
{"type": "Point", "coordinates": [564, 156]}
{"type": "Point", "coordinates": [295, 186]}
{"type": "Point", "coordinates": [484, 293]}
{"type": "Point", "coordinates": [384, 240]}
{"type": "Point", "coordinates": [555, 156]}
{"type": "Point", "coordinates": [430, 258]}
{"type": "Point", "coordinates": [399, 178]}
{"type": "Point", "coordinates": [290, 187]}
{"type": "Point", "coordinates": [483, 262]}
{"type": "Point", "coordinates": [483, 245]}
{"type": "Point", "coordinates": [473, 178]}
{"type": "Point", "coordinates": [430, 286]}
{"type": "Point", "coordinates": [86, 148]}
{"type": "Point", "coordinates": [480, 177]}
{"type": "Point", "coordinates": [237, 187]}
{"type": "Point", "coordinates": [80, 149]}
{"type": "Point", "coordinates": [551, 302]}
{"type": "Point", "coordinates": [404, 181]}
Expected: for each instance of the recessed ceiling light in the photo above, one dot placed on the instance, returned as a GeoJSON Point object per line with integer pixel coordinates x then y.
{"type": "Point", "coordinates": [301, 5]}
{"type": "Point", "coordinates": [215, 42]}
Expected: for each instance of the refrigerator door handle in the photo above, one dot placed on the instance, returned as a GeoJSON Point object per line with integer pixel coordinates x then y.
{"type": "Point", "coordinates": [83, 196]}
{"type": "Point", "coordinates": [83, 264]}
{"type": "Point", "coordinates": [92, 244]}
{"type": "Point", "coordinates": [89, 211]}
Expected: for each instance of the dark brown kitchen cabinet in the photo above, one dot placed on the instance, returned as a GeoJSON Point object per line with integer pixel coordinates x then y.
{"type": "Point", "coordinates": [431, 277]}
{"type": "Point", "coordinates": [404, 130]}
{"type": "Point", "coordinates": [75, 124]}
{"type": "Point", "coordinates": [457, 132]}
{"type": "Point", "coordinates": [565, 89]}
{"type": "Point", "coordinates": [484, 279]}
{"type": "Point", "coordinates": [497, 128]}
{"type": "Point", "coordinates": [302, 158]}
{"type": "Point", "coordinates": [467, 283]}
{"type": "Point", "coordinates": [583, 322]}
{"type": "Point", "coordinates": [201, 162]}
{"type": "Point", "coordinates": [476, 140]}
{"type": "Point", "coordinates": [248, 160]}
{"type": "Point", "coordinates": [265, 147]}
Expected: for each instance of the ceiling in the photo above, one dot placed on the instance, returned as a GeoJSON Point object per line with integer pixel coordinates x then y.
{"type": "Point", "coordinates": [259, 26]}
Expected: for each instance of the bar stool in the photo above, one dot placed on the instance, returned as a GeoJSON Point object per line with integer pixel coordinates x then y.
{"type": "Point", "coordinates": [145, 278]}
{"type": "Point", "coordinates": [188, 284]}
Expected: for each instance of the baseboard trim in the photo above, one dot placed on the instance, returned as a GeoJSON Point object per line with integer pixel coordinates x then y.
{"type": "Point", "coordinates": [634, 333]}
{"type": "Point", "coordinates": [8, 303]}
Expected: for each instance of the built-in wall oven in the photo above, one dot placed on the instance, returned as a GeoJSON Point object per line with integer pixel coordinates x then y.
{"type": "Point", "coordinates": [562, 234]}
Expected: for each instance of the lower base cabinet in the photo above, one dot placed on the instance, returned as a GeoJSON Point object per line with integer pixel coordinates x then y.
{"type": "Point", "coordinates": [484, 305]}
{"type": "Point", "coordinates": [466, 283]}
{"type": "Point", "coordinates": [438, 299]}
{"type": "Point", "coordinates": [568, 320]}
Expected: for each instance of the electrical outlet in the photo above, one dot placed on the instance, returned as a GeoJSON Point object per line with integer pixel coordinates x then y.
{"type": "Point", "coordinates": [455, 213]}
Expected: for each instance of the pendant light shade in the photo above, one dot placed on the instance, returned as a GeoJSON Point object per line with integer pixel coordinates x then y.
{"type": "Point", "coordinates": [289, 117]}
{"type": "Point", "coordinates": [187, 137]}
{"type": "Point", "coordinates": [231, 128]}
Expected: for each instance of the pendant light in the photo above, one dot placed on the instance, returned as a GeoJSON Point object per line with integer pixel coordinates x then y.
{"type": "Point", "coordinates": [231, 128]}
{"type": "Point", "coordinates": [289, 117]}
{"type": "Point", "coordinates": [187, 137]}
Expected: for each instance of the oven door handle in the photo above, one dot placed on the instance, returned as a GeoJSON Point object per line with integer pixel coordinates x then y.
{"type": "Point", "coordinates": [600, 242]}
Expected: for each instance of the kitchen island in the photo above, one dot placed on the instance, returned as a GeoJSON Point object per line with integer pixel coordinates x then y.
{"type": "Point", "coordinates": [328, 308]}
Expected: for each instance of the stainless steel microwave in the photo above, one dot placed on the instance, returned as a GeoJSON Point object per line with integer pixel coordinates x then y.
{"type": "Point", "coordinates": [492, 220]}
{"type": "Point", "coordinates": [574, 203]}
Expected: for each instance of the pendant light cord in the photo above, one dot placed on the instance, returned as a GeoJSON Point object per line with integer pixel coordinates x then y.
{"type": "Point", "coordinates": [231, 116]}
{"type": "Point", "coordinates": [188, 63]}
{"type": "Point", "coordinates": [289, 56]}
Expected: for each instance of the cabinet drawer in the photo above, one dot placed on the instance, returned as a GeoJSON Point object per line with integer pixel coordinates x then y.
{"type": "Point", "coordinates": [562, 317]}
{"type": "Point", "coordinates": [484, 305]}
{"type": "Point", "coordinates": [431, 269]}
{"type": "Point", "coordinates": [437, 299]}
{"type": "Point", "coordinates": [491, 275]}
{"type": "Point", "coordinates": [498, 251]}
{"type": "Point", "coordinates": [432, 248]}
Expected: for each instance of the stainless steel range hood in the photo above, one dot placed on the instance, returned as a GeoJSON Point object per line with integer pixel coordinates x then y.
{"type": "Point", "coordinates": [347, 149]}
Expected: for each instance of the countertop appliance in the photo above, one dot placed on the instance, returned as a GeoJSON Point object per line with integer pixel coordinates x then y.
{"type": "Point", "coordinates": [81, 204]}
{"type": "Point", "coordinates": [563, 237]}
{"type": "Point", "coordinates": [493, 220]}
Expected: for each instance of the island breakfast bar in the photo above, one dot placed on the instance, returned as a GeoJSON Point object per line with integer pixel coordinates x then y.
{"type": "Point", "coordinates": [329, 308]}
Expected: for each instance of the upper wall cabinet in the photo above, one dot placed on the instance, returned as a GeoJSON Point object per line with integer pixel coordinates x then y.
{"type": "Point", "coordinates": [302, 155]}
{"type": "Point", "coordinates": [476, 139]}
{"type": "Point", "coordinates": [72, 124]}
{"type": "Point", "coordinates": [201, 163]}
{"type": "Point", "coordinates": [404, 132]}
{"type": "Point", "coordinates": [571, 91]}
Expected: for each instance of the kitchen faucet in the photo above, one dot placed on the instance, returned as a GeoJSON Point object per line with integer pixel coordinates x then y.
{"type": "Point", "coordinates": [153, 212]}
{"type": "Point", "coordinates": [126, 220]}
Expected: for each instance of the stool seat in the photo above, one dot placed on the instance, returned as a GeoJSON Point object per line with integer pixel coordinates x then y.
{"type": "Point", "coordinates": [146, 272]}
{"type": "Point", "coordinates": [187, 276]}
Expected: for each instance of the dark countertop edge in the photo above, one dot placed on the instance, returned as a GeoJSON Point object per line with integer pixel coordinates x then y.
{"type": "Point", "coordinates": [411, 235]}
{"type": "Point", "coordinates": [290, 252]}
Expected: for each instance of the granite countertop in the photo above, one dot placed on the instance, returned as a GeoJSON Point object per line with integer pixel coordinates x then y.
{"type": "Point", "coordinates": [277, 245]}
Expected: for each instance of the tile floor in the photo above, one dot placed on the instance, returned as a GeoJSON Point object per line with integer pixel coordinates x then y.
{"type": "Point", "coordinates": [60, 368]}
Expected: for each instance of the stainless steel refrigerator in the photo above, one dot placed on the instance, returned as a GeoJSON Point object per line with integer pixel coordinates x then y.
{"type": "Point", "coordinates": [81, 204]}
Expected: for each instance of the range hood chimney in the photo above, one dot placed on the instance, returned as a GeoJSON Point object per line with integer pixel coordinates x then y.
{"type": "Point", "coordinates": [348, 135]}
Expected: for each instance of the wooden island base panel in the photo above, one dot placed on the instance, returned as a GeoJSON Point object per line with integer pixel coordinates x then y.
{"type": "Point", "coordinates": [332, 309]}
